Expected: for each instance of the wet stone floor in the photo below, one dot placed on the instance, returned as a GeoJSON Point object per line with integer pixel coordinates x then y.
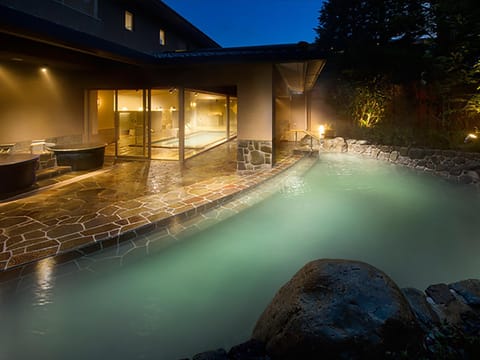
{"type": "Point", "coordinates": [120, 205]}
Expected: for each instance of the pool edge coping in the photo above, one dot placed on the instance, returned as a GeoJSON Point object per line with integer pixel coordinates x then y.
{"type": "Point", "coordinates": [186, 214]}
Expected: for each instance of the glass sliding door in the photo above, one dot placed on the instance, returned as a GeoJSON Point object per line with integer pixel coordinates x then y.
{"type": "Point", "coordinates": [205, 121]}
{"type": "Point", "coordinates": [164, 116]}
{"type": "Point", "coordinates": [101, 115]}
{"type": "Point", "coordinates": [233, 110]}
{"type": "Point", "coordinates": [132, 125]}
{"type": "Point", "coordinates": [146, 123]}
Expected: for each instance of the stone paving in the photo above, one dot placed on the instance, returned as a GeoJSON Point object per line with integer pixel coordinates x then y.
{"type": "Point", "coordinates": [116, 204]}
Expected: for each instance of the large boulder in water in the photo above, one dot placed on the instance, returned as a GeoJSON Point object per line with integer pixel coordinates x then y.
{"type": "Point", "coordinates": [338, 309]}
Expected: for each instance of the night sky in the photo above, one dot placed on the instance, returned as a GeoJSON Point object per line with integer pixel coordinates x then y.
{"type": "Point", "coordinates": [252, 22]}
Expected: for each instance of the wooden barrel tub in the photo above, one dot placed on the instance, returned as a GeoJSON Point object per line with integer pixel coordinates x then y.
{"type": "Point", "coordinates": [17, 171]}
{"type": "Point", "coordinates": [79, 156]}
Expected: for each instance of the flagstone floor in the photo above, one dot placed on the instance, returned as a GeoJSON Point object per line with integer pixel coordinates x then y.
{"type": "Point", "coordinates": [126, 199]}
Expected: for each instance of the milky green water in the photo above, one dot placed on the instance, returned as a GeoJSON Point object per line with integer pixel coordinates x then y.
{"type": "Point", "coordinates": [207, 291]}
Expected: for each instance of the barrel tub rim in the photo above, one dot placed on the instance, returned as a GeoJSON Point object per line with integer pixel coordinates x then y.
{"type": "Point", "coordinates": [82, 156]}
{"type": "Point", "coordinates": [76, 147]}
{"type": "Point", "coordinates": [17, 171]}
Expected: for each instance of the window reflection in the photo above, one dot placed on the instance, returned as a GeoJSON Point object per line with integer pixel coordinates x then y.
{"type": "Point", "coordinates": [142, 123]}
{"type": "Point", "coordinates": [132, 138]}
{"type": "Point", "coordinates": [233, 116]}
{"type": "Point", "coordinates": [205, 121]}
{"type": "Point", "coordinates": [164, 124]}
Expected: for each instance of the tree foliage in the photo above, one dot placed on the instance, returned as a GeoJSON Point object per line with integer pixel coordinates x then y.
{"type": "Point", "coordinates": [473, 103]}
{"type": "Point", "coordinates": [345, 25]}
{"type": "Point", "coordinates": [370, 103]}
{"type": "Point", "coordinates": [431, 49]}
{"type": "Point", "coordinates": [455, 28]}
{"type": "Point", "coordinates": [365, 35]}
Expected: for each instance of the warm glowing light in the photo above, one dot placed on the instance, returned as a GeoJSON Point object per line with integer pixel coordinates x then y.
{"type": "Point", "coordinates": [162, 37]}
{"type": "Point", "coordinates": [140, 108]}
{"type": "Point", "coordinates": [470, 137]}
{"type": "Point", "coordinates": [124, 108]}
{"type": "Point", "coordinates": [128, 20]}
{"type": "Point", "coordinates": [173, 108]}
{"type": "Point", "coordinates": [50, 83]}
{"type": "Point", "coordinates": [321, 130]}
{"type": "Point", "coordinates": [8, 80]}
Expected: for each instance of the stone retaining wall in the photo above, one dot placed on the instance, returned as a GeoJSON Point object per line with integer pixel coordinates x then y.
{"type": "Point", "coordinates": [457, 166]}
{"type": "Point", "coordinates": [254, 155]}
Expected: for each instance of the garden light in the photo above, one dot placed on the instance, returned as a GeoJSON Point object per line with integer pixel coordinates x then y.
{"type": "Point", "coordinates": [321, 130]}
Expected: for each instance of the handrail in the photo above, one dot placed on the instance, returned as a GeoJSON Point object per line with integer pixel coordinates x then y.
{"type": "Point", "coordinates": [308, 132]}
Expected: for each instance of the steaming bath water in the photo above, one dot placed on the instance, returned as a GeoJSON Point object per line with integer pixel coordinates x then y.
{"type": "Point", "coordinates": [207, 291]}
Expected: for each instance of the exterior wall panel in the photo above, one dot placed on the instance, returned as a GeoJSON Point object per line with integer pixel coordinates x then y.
{"type": "Point", "coordinates": [255, 108]}
{"type": "Point", "coordinates": [37, 105]}
{"type": "Point", "coordinates": [109, 23]}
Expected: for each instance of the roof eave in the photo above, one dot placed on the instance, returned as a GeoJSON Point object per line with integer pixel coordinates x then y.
{"type": "Point", "coordinates": [29, 27]}
{"type": "Point", "coordinates": [252, 54]}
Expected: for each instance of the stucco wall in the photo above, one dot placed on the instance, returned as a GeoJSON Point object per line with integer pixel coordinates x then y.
{"type": "Point", "coordinates": [254, 91]}
{"type": "Point", "coordinates": [255, 104]}
{"type": "Point", "coordinates": [37, 105]}
{"type": "Point", "coordinates": [45, 105]}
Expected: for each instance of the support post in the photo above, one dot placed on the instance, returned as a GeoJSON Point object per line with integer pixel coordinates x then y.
{"type": "Point", "coordinates": [149, 123]}
{"type": "Point", "coordinates": [181, 124]}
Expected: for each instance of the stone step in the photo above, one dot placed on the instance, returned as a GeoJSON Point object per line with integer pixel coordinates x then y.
{"type": "Point", "coordinates": [52, 172]}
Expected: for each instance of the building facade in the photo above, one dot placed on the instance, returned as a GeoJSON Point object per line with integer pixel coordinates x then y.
{"type": "Point", "coordinates": [139, 77]}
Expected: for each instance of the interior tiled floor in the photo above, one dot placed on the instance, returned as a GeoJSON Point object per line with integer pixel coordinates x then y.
{"type": "Point", "coordinates": [123, 200]}
{"type": "Point", "coordinates": [128, 147]}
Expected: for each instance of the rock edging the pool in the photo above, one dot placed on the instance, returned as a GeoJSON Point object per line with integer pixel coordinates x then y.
{"type": "Point", "coordinates": [350, 310]}
{"type": "Point", "coordinates": [457, 166]}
